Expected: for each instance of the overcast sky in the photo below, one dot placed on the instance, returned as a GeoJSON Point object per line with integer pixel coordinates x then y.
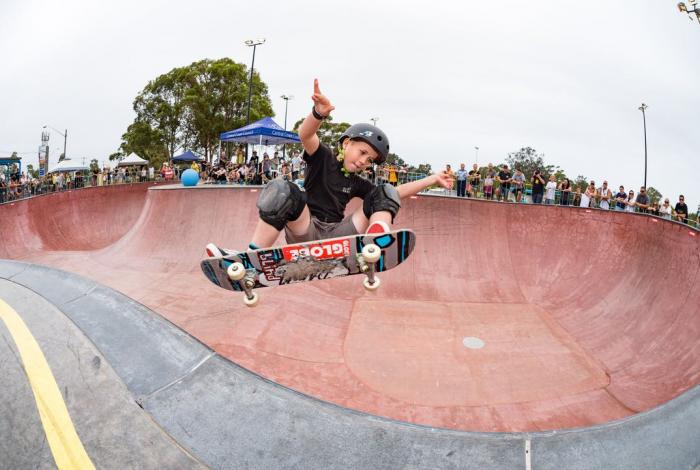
{"type": "Point", "coordinates": [565, 78]}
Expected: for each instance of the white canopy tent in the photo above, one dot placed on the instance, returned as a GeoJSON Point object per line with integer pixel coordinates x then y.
{"type": "Point", "coordinates": [68, 165]}
{"type": "Point", "coordinates": [132, 160]}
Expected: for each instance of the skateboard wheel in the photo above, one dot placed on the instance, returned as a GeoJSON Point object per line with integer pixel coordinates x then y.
{"type": "Point", "coordinates": [369, 286]}
{"type": "Point", "coordinates": [253, 301]}
{"type": "Point", "coordinates": [236, 272]}
{"type": "Point", "coordinates": [371, 253]}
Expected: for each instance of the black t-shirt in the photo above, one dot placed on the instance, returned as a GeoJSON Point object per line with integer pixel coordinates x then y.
{"type": "Point", "coordinates": [503, 176]}
{"type": "Point", "coordinates": [621, 195]}
{"type": "Point", "coordinates": [682, 210]}
{"type": "Point", "coordinates": [537, 185]}
{"type": "Point", "coordinates": [474, 177]}
{"type": "Point", "coordinates": [328, 190]}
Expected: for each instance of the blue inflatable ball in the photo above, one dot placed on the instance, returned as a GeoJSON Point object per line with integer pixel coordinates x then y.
{"type": "Point", "coordinates": [189, 177]}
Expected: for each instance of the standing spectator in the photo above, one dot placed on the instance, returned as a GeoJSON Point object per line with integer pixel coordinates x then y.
{"type": "Point", "coordinates": [577, 198]}
{"type": "Point", "coordinates": [642, 201]}
{"type": "Point", "coordinates": [519, 185]}
{"type": "Point", "coordinates": [537, 187]}
{"type": "Point", "coordinates": [504, 178]}
{"type": "Point", "coordinates": [296, 165]}
{"type": "Point", "coordinates": [474, 181]}
{"type": "Point", "coordinates": [620, 199]}
{"type": "Point", "coordinates": [267, 166]}
{"type": "Point", "coordinates": [565, 188]}
{"type": "Point", "coordinates": [240, 156]}
{"type": "Point", "coordinates": [630, 202]}
{"type": "Point", "coordinates": [654, 209]}
{"type": "Point", "coordinates": [665, 209]}
{"type": "Point", "coordinates": [488, 182]}
{"type": "Point", "coordinates": [393, 176]}
{"type": "Point", "coordinates": [448, 171]}
{"type": "Point", "coordinates": [551, 190]}
{"type": "Point", "coordinates": [286, 174]}
{"type": "Point", "coordinates": [681, 210]}
{"type": "Point", "coordinates": [461, 181]}
{"type": "Point", "coordinates": [605, 195]}
{"type": "Point", "coordinates": [588, 197]}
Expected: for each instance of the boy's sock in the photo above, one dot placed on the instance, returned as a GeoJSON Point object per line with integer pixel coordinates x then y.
{"type": "Point", "coordinates": [378, 227]}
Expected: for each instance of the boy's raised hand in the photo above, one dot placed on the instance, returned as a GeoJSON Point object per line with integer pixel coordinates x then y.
{"type": "Point", "coordinates": [321, 103]}
{"type": "Point", "coordinates": [444, 179]}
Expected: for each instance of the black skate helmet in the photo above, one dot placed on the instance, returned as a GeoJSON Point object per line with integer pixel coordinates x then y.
{"type": "Point", "coordinates": [373, 135]}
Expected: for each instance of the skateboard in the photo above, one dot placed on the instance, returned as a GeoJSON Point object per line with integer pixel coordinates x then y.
{"type": "Point", "coordinates": [318, 260]}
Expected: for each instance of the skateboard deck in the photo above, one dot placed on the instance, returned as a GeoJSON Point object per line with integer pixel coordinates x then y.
{"type": "Point", "coordinates": [310, 261]}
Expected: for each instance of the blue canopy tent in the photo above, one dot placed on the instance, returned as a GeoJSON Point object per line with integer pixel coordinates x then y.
{"type": "Point", "coordinates": [187, 157]}
{"type": "Point", "coordinates": [262, 132]}
{"type": "Point", "coordinates": [7, 164]}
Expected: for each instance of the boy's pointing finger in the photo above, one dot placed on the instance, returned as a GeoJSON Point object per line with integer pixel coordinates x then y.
{"type": "Point", "coordinates": [317, 90]}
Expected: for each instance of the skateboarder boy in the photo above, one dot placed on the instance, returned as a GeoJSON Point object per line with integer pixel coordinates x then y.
{"type": "Point", "coordinates": [317, 212]}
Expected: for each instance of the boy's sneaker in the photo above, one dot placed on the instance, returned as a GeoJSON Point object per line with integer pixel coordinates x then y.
{"type": "Point", "coordinates": [214, 251]}
{"type": "Point", "coordinates": [378, 227]}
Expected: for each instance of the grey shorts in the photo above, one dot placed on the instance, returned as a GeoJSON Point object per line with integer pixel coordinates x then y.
{"type": "Point", "coordinates": [319, 230]}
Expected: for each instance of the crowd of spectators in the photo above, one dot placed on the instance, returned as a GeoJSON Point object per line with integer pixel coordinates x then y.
{"type": "Point", "coordinates": [502, 184]}
{"type": "Point", "coordinates": [15, 186]}
{"type": "Point", "coordinates": [491, 182]}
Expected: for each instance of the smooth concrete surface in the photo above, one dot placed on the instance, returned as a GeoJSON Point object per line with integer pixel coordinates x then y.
{"type": "Point", "coordinates": [227, 417]}
{"type": "Point", "coordinates": [114, 430]}
{"type": "Point", "coordinates": [586, 316]}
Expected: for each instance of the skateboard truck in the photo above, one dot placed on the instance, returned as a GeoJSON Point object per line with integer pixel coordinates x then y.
{"type": "Point", "coordinates": [237, 273]}
{"type": "Point", "coordinates": [367, 261]}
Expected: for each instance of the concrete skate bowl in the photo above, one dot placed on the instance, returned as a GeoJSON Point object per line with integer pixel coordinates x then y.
{"type": "Point", "coordinates": [505, 318]}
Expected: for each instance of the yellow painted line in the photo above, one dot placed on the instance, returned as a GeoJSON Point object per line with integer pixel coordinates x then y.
{"type": "Point", "coordinates": [67, 450]}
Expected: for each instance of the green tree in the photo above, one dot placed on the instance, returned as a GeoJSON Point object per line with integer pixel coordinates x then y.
{"type": "Point", "coordinates": [528, 160]}
{"type": "Point", "coordinates": [188, 107]}
{"type": "Point", "coordinates": [32, 172]}
{"type": "Point", "coordinates": [654, 194]}
{"type": "Point", "coordinates": [580, 182]}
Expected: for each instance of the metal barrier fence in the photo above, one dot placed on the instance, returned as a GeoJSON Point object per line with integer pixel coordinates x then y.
{"type": "Point", "coordinates": [13, 192]}
{"type": "Point", "coordinates": [562, 198]}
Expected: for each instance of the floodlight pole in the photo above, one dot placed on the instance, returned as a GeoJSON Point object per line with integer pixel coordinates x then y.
{"type": "Point", "coordinates": [65, 139]}
{"type": "Point", "coordinates": [254, 43]}
{"type": "Point", "coordinates": [643, 108]}
{"type": "Point", "coordinates": [694, 9]}
{"type": "Point", "coordinates": [477, 155]}
{"type": "Point", "coordinates": [286, 99]}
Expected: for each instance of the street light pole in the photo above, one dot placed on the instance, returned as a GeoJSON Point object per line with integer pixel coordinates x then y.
{"type": "Point", "coordinates": [286, 99]}
{"type": "Point", "coordinates": [374, 121]}
{"type": "Point", "coordinates": [477, 155]}
{"type": "Point", "coordinates": [62, 134]}
{"type": "Point", "coordinates": [254, 43]}
{"type": "Point", "coordinates": [643, 108]}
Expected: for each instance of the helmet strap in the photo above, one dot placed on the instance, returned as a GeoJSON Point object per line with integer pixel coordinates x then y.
{"type": "Point", "coordinates": [341, 158]}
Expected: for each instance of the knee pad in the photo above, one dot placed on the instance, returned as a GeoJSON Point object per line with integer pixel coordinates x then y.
{"type": "Point", "coordinates": [384, 197]}
{"type": "Point", "coordinates": [280, 202]}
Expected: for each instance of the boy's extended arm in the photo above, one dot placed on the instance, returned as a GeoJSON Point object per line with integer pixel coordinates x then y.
{"type": "Point", "coordinates": [414, 187]}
